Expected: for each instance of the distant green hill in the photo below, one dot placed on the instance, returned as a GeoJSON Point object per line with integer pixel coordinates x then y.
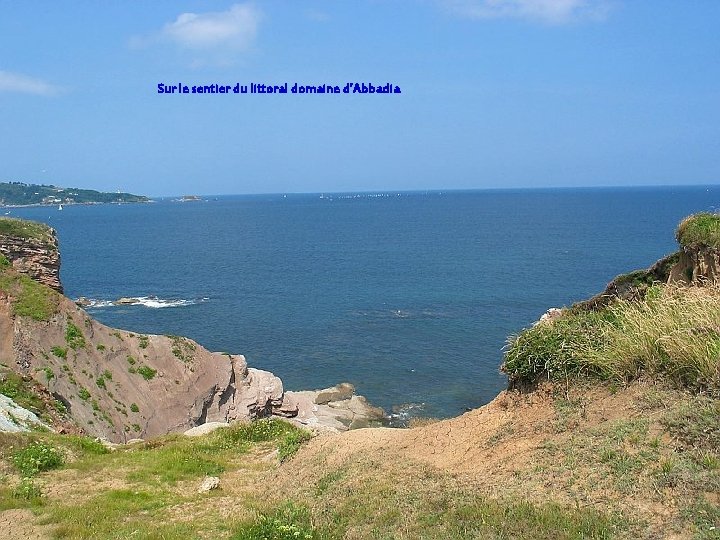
{"type": "Point", "coordinates": [18, 193]}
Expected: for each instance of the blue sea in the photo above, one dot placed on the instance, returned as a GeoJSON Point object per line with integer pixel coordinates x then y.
{"type": "Point", "coordinates": [409, 296]}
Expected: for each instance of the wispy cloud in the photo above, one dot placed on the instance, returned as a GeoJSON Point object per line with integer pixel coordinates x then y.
{"type": "Point", "coordinates": [546, 11]}
{"type": "Point", "coordinates": [317, 16]}
{"type": "Point", "coordinates": [234, 29]}
{"type": "Point", "coordinates": [17, 82]}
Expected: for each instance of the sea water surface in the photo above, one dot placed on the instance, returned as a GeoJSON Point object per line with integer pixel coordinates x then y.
{"type": "Point", "coordinates": [409, 296]}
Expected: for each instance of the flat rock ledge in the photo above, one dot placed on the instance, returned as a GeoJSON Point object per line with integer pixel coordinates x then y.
{"type": "Point", "coordinates": [330, 410]}
{"type": "Point", "coordinates": [334, 409]}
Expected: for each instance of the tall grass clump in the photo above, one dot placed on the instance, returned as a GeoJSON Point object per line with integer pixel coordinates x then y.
{"type": "Point", "coordinates": [673, 333]}
{"type": "Point", "coordinates": [702, 228]}
{"type": "Point", "coordinates": [559, 349]}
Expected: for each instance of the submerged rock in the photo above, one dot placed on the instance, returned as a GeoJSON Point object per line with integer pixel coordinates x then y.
{"type": "Point", "coordinates": [336, 393]}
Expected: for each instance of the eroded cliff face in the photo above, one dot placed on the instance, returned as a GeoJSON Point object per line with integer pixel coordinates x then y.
{"type": "Point", "coordinates": [121, 385]}
{"type": "Point", "coordinates": [698, 265]}
{"type": "Point", "coordinates": [114, 384]}
{"type": "Point", "coordinates": [37, 257]}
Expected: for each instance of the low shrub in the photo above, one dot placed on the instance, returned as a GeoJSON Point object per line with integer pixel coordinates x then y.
{"type": "Point", "coordinates": [35, 458]}
{"type": "Point", "coordinates": [74, 336]}
{"type": "Point", "coordinates": [147, 373]}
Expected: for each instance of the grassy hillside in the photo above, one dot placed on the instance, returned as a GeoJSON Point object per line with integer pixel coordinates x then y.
{"type": "Point", "coordinates": [21, 228]}
{"type": "Point", "coordinates": [672, 335]}
{"type": "Point", "coordinates": [28, 298]}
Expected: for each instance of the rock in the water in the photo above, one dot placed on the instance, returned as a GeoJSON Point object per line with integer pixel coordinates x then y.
{"type": "Point", "coordinates": [360, 406]}
{"type": "Point", "coordinates": [208, 484]}
{"type": "Point", "coordinates": [339, 392]}
{"type": "Point", "coordinates": [352, 412]}
{"type": "Point", "coordinates": [124, 301]}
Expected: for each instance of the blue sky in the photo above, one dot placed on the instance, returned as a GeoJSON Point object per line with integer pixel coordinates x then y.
{"type": "Point", "coordinates": [495, 93]}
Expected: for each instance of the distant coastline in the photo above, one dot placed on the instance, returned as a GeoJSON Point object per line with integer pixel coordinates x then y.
{"type": "Point", "coordinates": [50, 205]}
{"type": "Point", "coordinates": [21, 195]}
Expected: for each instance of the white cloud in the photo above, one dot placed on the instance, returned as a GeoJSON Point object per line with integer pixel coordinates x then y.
{"type": "Point", "coordinates": [547, 11]}
{"type": "Point", "coordinates": [235, 28]}
{"type": "Point", "coordinates": [17, 82]}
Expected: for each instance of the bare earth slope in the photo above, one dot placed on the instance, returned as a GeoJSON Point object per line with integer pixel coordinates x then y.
{"type": "Point", "coordinates": [618, 451]}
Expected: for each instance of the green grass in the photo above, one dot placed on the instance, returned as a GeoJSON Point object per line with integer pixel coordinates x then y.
{"type": "Point", "coordinates": [673, 334]}
{"type": "Point", "coordinates": [25, 229]}
{"type": "Point", "coordinates": [118, 513]}
{"type": "Point", "coordinates": [60, 352]}
{"type": "Point", "coordinates": [4, 262]}
{"type": "Point", "coordinates": [147, 373]}
{"type": "Point", "coordinates": [152, 495]}
{"type": "Point", "coordinates": [27, 490]}
{"type": "Point", "coordinates": [697, 424]}
{"type": "Point", "coordinates": [20, 391]}
{"type": "Point", "coordinates": [289, 522]}
{"type": "Point", "coordinates": [182, 348]}
{"type": "Point", "coordinates": [699, 229]}
{"type": "Point", "coordinates": [290, 443]}
{"type": "Point", "coordinates": [557, 349]}
{"type": "Point", "coordinates": [29, 298]}
{"type": "Point", "coordinates": [37, 457]}
{"type": "Point", "coordinates": [74, 336]}
{"type": "Point", "coordinates": [362, 500]}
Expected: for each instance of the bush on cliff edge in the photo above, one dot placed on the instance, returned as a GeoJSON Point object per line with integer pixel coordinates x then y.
{"type": "Point", "coordinates": [674, 333]}
{"type": "Point", "coordinates": [699, 229]}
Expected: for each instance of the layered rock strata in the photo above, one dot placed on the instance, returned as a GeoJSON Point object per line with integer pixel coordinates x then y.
{"type": "Point", "coordinates": [38, 258]}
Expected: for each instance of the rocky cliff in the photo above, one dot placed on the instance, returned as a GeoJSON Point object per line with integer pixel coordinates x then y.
{"type": "Point", "coordinates": [32, 249]}
{"type": "Point", "coordinates": [695, 263]}
{"type": "Point", "coordinates": [121, 385]}
{"type": "Point", "coordinates": [111, 383]}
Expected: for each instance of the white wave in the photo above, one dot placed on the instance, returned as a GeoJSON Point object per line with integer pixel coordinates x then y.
{"type": "Point", "coordinates": [146, 301]}
{"type": "Point", "coordinates": [157, 303]}
{"type": "Point", "coordinates": [92, 303]}
{"type": "Point", "coordinates": [406, 411]}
